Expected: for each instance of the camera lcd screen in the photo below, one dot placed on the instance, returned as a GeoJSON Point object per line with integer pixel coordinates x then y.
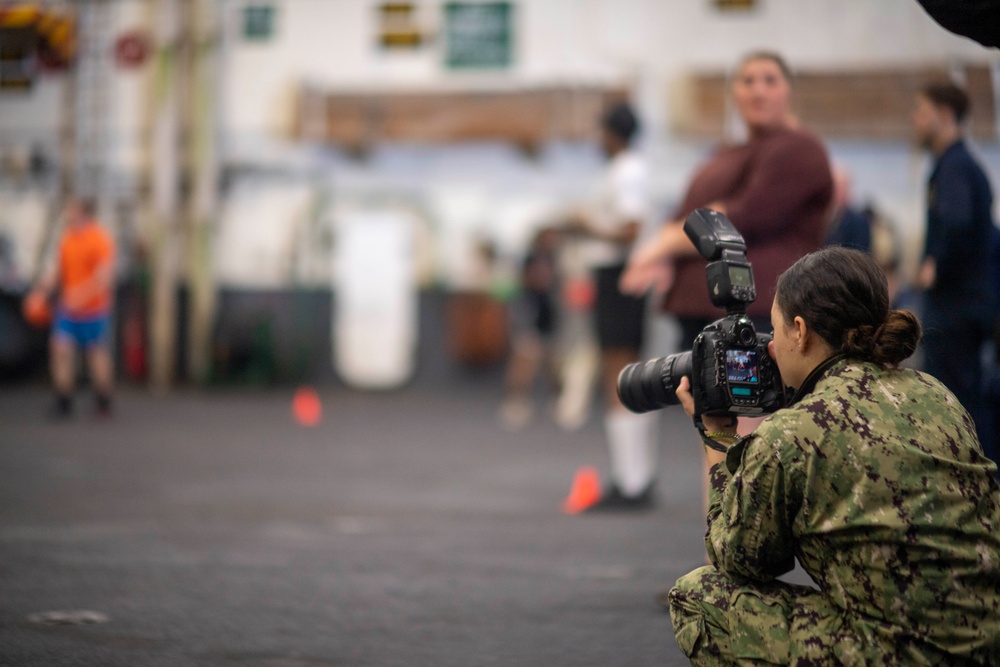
{"type": "Point", "coordinates": [741, 366]}
{"type": "Point", "coordinates": [740, 276]}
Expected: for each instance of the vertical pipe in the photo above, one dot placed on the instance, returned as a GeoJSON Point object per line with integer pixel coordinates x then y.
{"type": "Point", "coordinates": [164, 169]}
{"type": "Point", "coordinates": [203, 63]}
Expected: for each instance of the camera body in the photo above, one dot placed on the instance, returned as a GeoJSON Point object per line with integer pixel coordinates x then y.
{"type": "Point", "coordinates": [730, 369]}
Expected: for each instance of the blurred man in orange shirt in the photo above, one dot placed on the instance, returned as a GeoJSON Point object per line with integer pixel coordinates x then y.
{"type": "Point", "coordinates": [84, 277]}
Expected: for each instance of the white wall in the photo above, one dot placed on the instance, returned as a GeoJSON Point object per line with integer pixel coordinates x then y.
{"type": "Point", "coordinates": [32, 116]}
{"type": "Point", "coordinates": [333, 43]}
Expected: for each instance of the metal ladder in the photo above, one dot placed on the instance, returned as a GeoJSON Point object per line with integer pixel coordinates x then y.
{"type": "Point", "coordinates": [92, 104]}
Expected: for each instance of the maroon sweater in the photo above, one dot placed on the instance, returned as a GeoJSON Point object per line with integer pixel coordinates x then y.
{"type": "Point", "coordinates": [777, 191]}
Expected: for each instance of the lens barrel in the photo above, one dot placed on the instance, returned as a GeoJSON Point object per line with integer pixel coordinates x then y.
{"type": "Point", "coordinates": [650, 385]}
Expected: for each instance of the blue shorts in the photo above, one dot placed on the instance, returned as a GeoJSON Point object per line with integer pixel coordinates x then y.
{"type": "Point", "coordinates": [85, 332]}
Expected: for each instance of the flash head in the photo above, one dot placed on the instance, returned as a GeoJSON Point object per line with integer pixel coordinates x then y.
{"type": "Point", "coordinates": [712, 234]}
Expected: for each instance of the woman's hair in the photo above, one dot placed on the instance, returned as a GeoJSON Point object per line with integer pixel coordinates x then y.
{"type": "Point", "coordinates": [842, 295]}
{"type": "Point", "coordinates": [773, 56]}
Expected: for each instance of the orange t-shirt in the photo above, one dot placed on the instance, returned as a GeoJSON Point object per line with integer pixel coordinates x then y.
{"type": "Point", "coordinates": [83, 250]}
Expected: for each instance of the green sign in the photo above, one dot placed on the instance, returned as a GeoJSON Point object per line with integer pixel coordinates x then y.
{"type": "Point", "coordinates": [478, 35]}
{"type": "Point", "coordinates": [258, 22]}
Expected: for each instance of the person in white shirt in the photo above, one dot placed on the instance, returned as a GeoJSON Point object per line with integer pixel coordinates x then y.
{"type": "Point", "coordinates": [609, 227]}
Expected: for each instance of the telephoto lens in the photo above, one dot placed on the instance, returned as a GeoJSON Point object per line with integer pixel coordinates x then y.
{"type": "Point", "coordinates": [650, 385]}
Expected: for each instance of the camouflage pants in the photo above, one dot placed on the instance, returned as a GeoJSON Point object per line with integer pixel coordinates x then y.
{"type": "Point", "coordinates": [718, 622]}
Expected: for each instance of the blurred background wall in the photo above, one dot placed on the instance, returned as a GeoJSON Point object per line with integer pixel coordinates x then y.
{"type": "Point", "coordinates": [228, 141]}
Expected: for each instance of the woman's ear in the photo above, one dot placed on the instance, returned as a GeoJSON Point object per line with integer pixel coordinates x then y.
{"type": "Point", "coordinates": [800, 334]}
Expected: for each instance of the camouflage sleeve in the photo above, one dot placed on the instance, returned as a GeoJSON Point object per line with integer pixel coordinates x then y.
{"type": "Point", "coordinates": [718, 478]}
{"type": "Point", "coordinates": [749, 530]}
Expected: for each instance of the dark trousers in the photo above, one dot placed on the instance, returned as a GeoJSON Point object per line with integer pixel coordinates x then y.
{"type": "Point", "coordinates": [953, 348]}
{"type": "Point", "coordinates": [619, 317]}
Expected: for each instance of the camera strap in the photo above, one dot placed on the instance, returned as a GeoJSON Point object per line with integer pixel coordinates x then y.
{"type": "Point", "coordinates": [709, 438]}
{"type": "Point", "coordinates": [714, 444]}
{"type": "Point", "coordinates": [810, 382]}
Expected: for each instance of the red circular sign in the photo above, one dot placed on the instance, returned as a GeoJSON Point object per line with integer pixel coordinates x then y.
{"type": "Point", "coordinates": [131, 49]}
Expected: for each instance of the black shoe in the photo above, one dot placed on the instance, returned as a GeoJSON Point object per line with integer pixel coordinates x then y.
{"type": "Point", "coordinates": [102, 408]}
{"type": "Point", "coordinates": [61, 409]}
{"type": "Point", "coordinates": [613, 500]}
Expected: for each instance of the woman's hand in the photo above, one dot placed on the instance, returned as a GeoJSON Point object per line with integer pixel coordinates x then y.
{"type": "Point", "coordinates": [713, 423]}
{"type": "Point", "coordinates": [684, 395]}
{"type": "Point", "coordinates": [651, 265]}
{"type": "Point", "coordinates": [643, 276]}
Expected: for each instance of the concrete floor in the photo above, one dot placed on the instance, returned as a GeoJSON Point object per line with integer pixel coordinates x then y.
{"type": "Point", "coordinates": [406, 529]}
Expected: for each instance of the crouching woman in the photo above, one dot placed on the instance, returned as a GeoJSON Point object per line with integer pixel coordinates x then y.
{"type": "Point", "coordinates": [872, 477]}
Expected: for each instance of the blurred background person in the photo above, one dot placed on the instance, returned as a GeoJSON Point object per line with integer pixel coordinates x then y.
{"type": "Point", "coordinates": [776, 188]}
{"type": "Point", "coordinates": [83, 275]}
{"type": "Point", "coordinates": [959, 301]}
{"type": "Point", "coordinates": [580, 357]}
{"type": "Point", "coordinates": [863, 228]}
{"type": "Point", "coordinates": [609, 228]}
{"type": "Point", "coordinates": [534, 319]}
{"type": "Point", "coordinates": [850, 226]}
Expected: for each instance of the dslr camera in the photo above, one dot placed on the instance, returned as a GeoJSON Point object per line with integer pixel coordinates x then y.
{"type": "Point", "coordinates": [730, 369]}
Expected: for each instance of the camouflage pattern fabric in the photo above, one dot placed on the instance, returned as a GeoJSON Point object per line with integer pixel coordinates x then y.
{"type": "Point", "coordinates": [876, 482]}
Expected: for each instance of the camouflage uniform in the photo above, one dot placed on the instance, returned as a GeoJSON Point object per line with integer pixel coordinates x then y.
{"type": "Point", "coordinates": [876, 482]}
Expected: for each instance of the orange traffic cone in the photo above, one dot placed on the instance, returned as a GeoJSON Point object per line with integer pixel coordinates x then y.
{"type": "Point", "coordinates": [586, 491]}
{"type": "Point", "coordinates": [306, 407]}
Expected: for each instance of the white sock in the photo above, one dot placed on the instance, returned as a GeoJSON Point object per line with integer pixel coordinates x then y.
{"type": "Point", "coordinates": [632, 446]}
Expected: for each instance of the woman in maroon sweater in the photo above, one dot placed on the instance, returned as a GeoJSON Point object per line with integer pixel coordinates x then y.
{"type": "Point", "coordinates": [776, 189]}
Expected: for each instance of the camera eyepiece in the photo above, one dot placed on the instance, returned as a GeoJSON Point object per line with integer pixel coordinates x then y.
{"type": "Point", "coordinates": [745, 334]}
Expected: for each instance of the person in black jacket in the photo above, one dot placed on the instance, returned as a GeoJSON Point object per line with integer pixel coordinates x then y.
{"type": "Point", "coordinates": [955, 271]}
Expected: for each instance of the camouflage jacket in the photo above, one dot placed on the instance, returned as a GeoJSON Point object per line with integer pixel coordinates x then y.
{"type": "Point", "coordinates": [876, 482]}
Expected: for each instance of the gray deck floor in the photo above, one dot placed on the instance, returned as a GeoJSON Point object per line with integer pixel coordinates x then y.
{"type": "Point", "coordinates": [406, 529]}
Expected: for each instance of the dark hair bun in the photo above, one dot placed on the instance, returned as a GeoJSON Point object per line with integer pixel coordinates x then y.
{"type": "Point", "coordinates": [889, 344]}
{"type": "Point", "coordinates": [892, 342]}
{"type": "Point", "coordinates": [860, 341]}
